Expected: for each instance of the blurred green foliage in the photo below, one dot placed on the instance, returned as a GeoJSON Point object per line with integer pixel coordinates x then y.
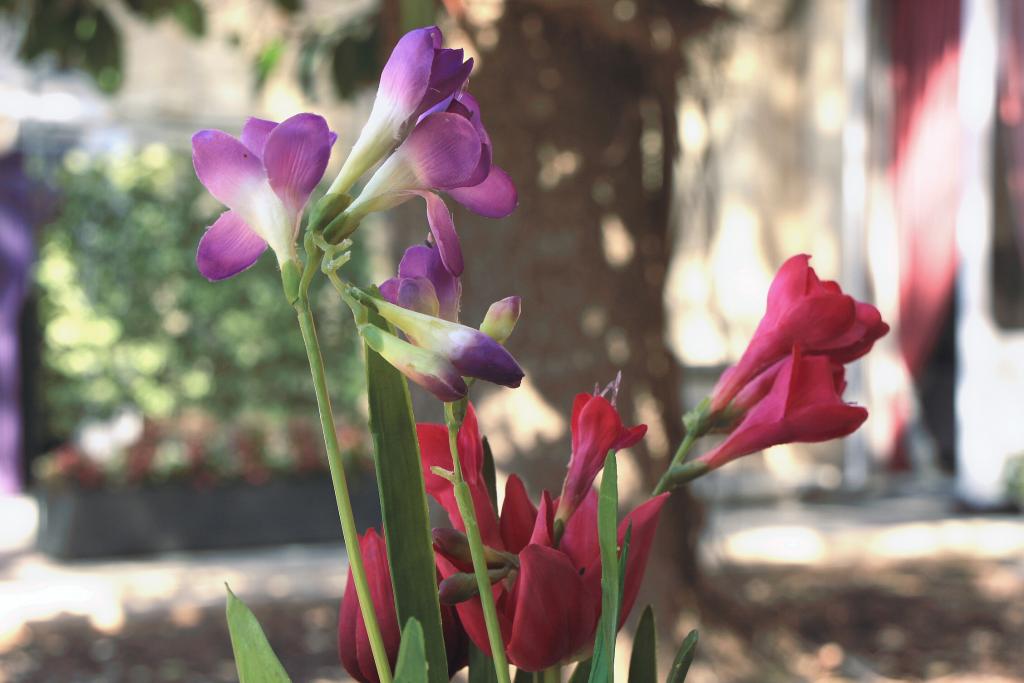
{"type": "Point", "coordinates": [85, 34]}
{"type": "Point", "coordinates": [128, 320]}
{"type": "Point", "coordinates": [82, 34]}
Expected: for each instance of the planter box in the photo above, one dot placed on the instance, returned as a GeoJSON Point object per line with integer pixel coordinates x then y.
{"type": "Point", "coordinates": [78, 523]}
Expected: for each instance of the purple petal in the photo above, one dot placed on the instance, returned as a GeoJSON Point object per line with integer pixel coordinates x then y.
{"type": "Point", "coordinates": [228, 247]}
{"type": "Point", "coordinates": [226, 167]}
{"type": "Point", "coordinates": [296, 156]}
{"type": "Point", "coordinates": [480, 356]}
{"type": "Point", "coordinates": [442, 228]}
{"type": "Point", "coordinates": [496, 197]}
{"type": "Point", "coordinates": [482, 170]}
{"type": "Point", "coordinates": [417, 294]}
{"type": "Point", "coordinates": [472, 107]}
{"type": "Point", "coordinates": [255, 132]}
{"type": "Point", "coordinates": [448, 74]}
{"type": "Point", "coordinates": [406, 76]}
{"type": "Point", "coordinates": [466, 106]}
{"type": "Point", "coordinates": [389, 290]}
{"type": "Point", "coordinates": [443, 151]}
{"type": "Point", "coordinates": [424, 261]}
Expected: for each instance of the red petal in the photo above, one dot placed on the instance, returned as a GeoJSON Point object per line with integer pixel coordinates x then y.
{"type": "Point", "coordinates": [518, 515]}
{"type": "Point", "coordinates": [580, 541]}
{"type": "Point", "coordinates": [555, 616]}
{"type": "Point", "coordinates": [645, 522]}
{"type": "Point", "coordinates": [542, 528]}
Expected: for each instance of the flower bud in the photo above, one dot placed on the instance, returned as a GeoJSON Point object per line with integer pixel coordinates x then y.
{"type": "Point", "coordinates": [472, 352]}
{"type": "Point", "coordinates": [327, 210]}
{"type": "Point", "coordinates": [463, 586]}
{"type": "Point", "coordinates": [501, 318]}
{"type": "Point", "coordinates": [453, 544]}
{"type": "Point", "coordinates": [428, 369]}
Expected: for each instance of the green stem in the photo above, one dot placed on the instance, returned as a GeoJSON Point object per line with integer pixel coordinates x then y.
{"type": "Point", "coordinates": [678, 459]}
{"type": "Point", "coordinates": [464, 499]}
{"type": "Point", "coordinates": [552, 674]}
{"type": "Point", "coordinates": [348, 523]}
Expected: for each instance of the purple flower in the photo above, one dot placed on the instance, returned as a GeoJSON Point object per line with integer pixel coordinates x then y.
{"type": "Point", "coordinates": [423, 302]}
{"type": "Point", "coordinates": [423, 284]}
{"type": "Point", "coordinates": [450, 152]}
{"type": "Point", "coordinates": [447, 150]}
{"type": "Point", "coordinates": [419, 76]}
{"type": "Point", "coordinates": [265, 180]}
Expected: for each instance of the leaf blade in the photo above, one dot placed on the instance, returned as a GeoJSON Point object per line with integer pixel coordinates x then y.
{"type": "Point", "coordinates": [603, 661]}
{"type": "Point", "coordinates": [481, 667]}
{"type": "Point", "coordinates": [254, 658]}
{"type": "Point", "coordinates": [403, 501]}
{"type": "Point", "coordinates": [411, 666]}
{"type": "Point", "coordinates": [684, 658]}
{"type": "Point", "coordinates": [643, 661]}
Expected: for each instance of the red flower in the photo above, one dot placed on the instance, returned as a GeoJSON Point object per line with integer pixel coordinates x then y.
{"type": "Point", "coordinates": [806, 312]}
{"type": "Point", "coordinates": [548, 606]}
{"type": "Point", "coordinates": [354, 644]}
{"type": "Point", "coordinates": [804, 404]}
{"type": "Point", "coordinates": [596, 429]}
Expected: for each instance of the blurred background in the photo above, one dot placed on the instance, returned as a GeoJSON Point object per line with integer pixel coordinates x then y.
{"type": "Point", "coordinates": [158, 434]}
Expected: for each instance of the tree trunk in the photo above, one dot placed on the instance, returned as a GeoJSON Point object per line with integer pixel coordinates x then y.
{"type": "Point", "coordinates": [581, 106]}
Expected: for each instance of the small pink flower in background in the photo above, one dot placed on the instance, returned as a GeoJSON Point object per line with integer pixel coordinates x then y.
{"type": "Point", "coordinates": [803, 404]}
{"type": "Point", "coordinates": [807, 312]}
{"type": "Point", "coordinates": [265, 179]}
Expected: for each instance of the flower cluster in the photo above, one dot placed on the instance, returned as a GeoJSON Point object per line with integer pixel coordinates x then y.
{"type": "Point", "coordinates": [423, 302]}
{"type": "Point", "coordinates": [544, 561]}
{"type": "Point", "coordinates": [788, 385]}
{"type": "Point", "coordinates": [429, 132]}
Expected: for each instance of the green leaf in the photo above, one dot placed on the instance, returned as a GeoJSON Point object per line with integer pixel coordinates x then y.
{"type": "Point", "coordinates": [267, 60]}
{"type": "Point", "coordinates": [416, 13]}
{"type": "Point", "coordinates": [254, 657]}
{"type": "Point", "coordinates": [355, 57]}
{"type": "Point", "coordinates": [683, 659]}
{"type": "Point", "coordinates": [411, 666]}
{"type": "Point", "coordinates": [582, 672]}
{"type": "Point", "coordinates": [403, 502]}
{"type": "Point", "coordinates": [490, 478]}
{"type": "Point", "coordinates": [643, 662]}
{"type": "Point", "coordinates": [523, 676]}
{"type": "Point", "coordinates": [481, 667]}
{"type": "Point", "coordinates": [603, 665]}
{"type": "Point", "coordinates": [191, 16]}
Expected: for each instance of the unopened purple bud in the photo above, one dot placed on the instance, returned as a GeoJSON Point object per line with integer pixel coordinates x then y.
{"type": "Point", "coordinates": [428, 369]}
{"type": "Point", "coordinates": [501, 318]}
{"type": "Point", "coordinates": [470, 351]}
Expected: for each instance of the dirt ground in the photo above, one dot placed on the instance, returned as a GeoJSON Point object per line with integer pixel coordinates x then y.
{"type": "Point", "coordinates": [941, 621]}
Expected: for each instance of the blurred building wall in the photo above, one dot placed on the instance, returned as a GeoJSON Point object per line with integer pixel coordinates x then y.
{"type": "Point", "coordinates": [759, 178]}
